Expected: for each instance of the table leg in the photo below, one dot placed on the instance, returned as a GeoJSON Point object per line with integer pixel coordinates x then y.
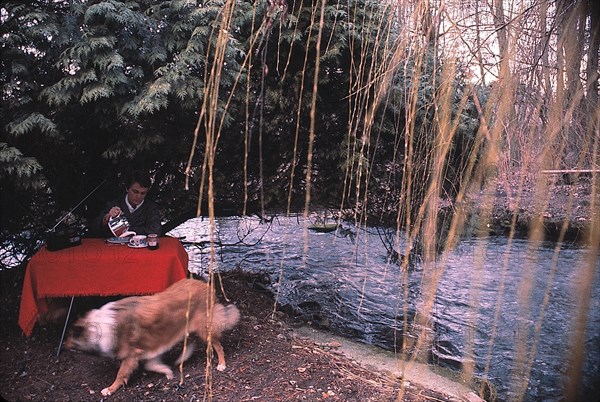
{"type": "Point", "coordinates": [62, 337]}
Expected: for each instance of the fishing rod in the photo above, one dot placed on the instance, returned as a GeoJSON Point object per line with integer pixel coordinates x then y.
{"type": "Point", "coordinates": [57, 240]}
{"type": "Point", "coordinates": [77, 206]}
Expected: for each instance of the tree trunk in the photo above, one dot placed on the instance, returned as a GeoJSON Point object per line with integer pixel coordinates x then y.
{"type": "Point", "coordinates": [592, 72]}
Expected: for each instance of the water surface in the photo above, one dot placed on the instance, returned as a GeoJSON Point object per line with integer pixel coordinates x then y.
{"type": "Point", "coordinates": [490, 298]}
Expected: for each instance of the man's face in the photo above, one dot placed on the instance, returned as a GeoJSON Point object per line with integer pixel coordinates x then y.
{"type": "Point", "coordinates": [136, 194]}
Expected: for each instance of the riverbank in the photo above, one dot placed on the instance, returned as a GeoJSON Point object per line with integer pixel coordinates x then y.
{"type": "Point", "coordinates": [267, 360]}
{"type": "Point", "coordinates": [413, 373]}
{"type": "Point", "coordinates": [554, 202]}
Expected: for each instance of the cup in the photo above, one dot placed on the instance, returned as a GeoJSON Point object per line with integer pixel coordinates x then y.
{"type": "Point", "coordinates": [138, 241]}
{"type": "Point", "coordinates": [152, 241]}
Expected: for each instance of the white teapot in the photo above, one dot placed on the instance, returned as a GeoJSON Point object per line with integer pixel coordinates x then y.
{"type": "Point", "coordinates": [119, 226]}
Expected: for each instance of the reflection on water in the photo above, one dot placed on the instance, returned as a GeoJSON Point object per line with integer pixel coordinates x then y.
{"type": "Point", "coordinates": [343, 280]}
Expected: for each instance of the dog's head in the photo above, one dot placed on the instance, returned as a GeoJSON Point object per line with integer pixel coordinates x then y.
{"type": "Point", "coordinates": [95, 332]}
{"type": "Point", "coordinates": [77, 337]}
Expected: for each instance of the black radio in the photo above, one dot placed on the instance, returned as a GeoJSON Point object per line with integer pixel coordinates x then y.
{"type": "Point", "coordinates": [63, 238]}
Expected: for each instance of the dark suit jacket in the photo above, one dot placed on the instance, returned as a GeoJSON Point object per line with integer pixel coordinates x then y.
{"type": "Point", "coordinates": [144, 220]}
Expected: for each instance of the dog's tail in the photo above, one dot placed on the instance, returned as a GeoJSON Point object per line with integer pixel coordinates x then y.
{"type": "Point", "coordinates": [225, 317]}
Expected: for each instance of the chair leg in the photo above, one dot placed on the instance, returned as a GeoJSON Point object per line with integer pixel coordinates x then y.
{"type": "Point", "coordinates": [62, 337]}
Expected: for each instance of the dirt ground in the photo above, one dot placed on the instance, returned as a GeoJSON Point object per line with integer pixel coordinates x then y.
{"type": "Point", "coordinates": [265, 362]}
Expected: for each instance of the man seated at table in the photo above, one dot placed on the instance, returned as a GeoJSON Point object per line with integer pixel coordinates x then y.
{"type": "Point", "coordinates": [143, 214]}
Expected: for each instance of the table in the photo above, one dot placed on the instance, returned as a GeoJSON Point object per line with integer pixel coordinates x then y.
{"type": "Point", "coordinates": [97, 268]}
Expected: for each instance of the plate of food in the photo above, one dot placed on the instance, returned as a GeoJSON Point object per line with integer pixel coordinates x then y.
{"type": "Point", "coordinates": [118, 240]}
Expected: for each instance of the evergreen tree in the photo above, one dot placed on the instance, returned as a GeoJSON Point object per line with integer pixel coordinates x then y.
{"type": "Point", "coordinates": [91, 88]}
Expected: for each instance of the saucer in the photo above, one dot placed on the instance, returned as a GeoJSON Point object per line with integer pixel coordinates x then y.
{"type": "Point", "coordinates": [118, 240]}
{"type": "Point", "coordinates": [140, 246]}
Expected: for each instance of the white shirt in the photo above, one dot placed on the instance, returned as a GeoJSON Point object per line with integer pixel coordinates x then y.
{"type": "Point", "coordinates": [131, 207]}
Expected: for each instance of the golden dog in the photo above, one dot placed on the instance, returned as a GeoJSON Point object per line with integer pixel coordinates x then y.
{"type": "Point", "coordinates": [144, 327]}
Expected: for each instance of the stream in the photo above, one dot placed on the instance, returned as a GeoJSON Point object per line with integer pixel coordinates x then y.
{"type": "Point", "coordinates": [488, 289]}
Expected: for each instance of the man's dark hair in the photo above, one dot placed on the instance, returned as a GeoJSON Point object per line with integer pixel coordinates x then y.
{"type": "Point", "coordinates": [137, 176]}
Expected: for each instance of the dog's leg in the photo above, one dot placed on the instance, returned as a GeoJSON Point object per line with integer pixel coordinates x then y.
{"type": "Point", "coordinates": [216, 343]}
{"type": "Point", "coordinates": [127, 367]}
{"type": "Point", "coordinates": [189, 350]}
{"type": "Point", "coordinates": [158, 366]}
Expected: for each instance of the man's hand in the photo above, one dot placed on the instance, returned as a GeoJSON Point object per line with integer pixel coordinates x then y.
{"type": "Point", "coordinates": [112, 213]}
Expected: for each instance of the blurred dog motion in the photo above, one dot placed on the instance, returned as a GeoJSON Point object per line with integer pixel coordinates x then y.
{"type": "Point", "coordinates": [144, 327]}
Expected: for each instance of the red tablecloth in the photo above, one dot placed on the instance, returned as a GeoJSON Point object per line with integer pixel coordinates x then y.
{"type": "Point", "coordinates": [96, 268]}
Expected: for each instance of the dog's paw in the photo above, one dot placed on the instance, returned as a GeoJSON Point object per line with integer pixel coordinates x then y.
{"type": "Point", "coordinates": [221, 367]}
{"type": "Point", "coordinates": [169, 375]}
{"type": "Point", "coordinates": [105, 392]}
